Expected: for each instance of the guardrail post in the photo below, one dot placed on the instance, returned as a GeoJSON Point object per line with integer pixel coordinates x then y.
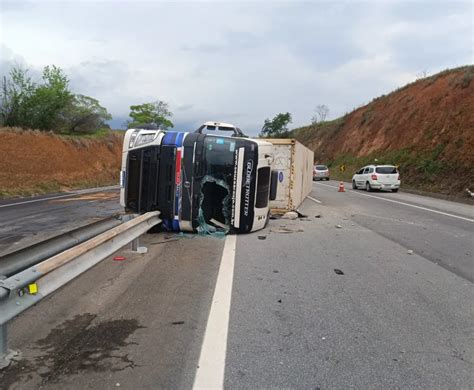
{"type": "Point", "coordinates": [3, 340]}
{"type": "Point", "coordinates": [6, 355]}
{"type": "Point", "coordinates": [135, 244]}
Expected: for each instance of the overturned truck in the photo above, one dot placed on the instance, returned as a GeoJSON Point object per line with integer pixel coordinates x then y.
{"type": "Point", "coordinates": [200, 182]}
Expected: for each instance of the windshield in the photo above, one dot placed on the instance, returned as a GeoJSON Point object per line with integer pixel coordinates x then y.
{"type": "Point", "coordinates": [386, 170]}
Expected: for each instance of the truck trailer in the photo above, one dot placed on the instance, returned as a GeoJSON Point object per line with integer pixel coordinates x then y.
{"type": "Point", "coordinates": [293, 163]}
{"type": "Point", "coordinates": [200, 182]}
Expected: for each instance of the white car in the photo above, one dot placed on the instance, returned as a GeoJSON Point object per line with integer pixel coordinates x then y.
{"type": "Point", "coordinates": [380, 177]}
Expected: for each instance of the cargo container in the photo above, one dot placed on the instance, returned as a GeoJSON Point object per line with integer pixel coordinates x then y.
{"type": "Point", "coordinates": [294, 163]}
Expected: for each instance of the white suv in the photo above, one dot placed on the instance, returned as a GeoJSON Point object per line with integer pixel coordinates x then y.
{"type": "Point", "coordinates": [380, 177]}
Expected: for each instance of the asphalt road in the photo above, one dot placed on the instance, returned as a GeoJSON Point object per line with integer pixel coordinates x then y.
{"type": "Point", "coordinates": [302, 304]}
{"type": "Point", "coordinates": [29, 220]}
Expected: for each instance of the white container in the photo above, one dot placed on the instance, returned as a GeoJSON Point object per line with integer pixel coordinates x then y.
{"type": "Point", "coordinates": [294, 163]}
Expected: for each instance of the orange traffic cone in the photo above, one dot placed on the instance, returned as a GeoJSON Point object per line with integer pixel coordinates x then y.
{"type": "Point", "coordinates": [341, 187]}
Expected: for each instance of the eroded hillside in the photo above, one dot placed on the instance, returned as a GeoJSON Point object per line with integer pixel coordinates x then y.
{"type": "Point", "coordinates": [426, 127]}
{"type": "Point", "coordinates": [34, 162]}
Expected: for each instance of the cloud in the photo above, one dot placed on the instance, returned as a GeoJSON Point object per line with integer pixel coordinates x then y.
{"type": "Point", "coordinates": [238, 62]}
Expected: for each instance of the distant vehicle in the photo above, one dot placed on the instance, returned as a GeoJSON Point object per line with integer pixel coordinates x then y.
{"type": "Point", "coordinates": [380, 177]}
{"type": "Point", "coordinates": [320, 172]}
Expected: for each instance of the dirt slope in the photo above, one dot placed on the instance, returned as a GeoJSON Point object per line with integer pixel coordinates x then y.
{"type": "Point", "coordinates": [427, 127]}
{"type": "Point", "coordinates": [33, 162]}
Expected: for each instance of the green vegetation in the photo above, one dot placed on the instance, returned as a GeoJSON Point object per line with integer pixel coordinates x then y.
{"type": "Point", "coordinates": [48, 105]}
{"type": "Point", "coordinates": [277, 127]}
{"type": "Point", "coordinates": [156, 113]}
{"type": "Point", "coordinates": [319, 130]}
{"type": "Point", "coordinates": [418, 170]}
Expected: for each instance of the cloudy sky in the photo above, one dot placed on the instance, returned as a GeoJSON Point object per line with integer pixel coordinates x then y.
{"type": "Point", "coordinates": [237, 61]}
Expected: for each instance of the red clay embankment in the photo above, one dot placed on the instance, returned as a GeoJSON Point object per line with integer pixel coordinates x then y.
{"type": "Point", "coordinates": [34, 162]}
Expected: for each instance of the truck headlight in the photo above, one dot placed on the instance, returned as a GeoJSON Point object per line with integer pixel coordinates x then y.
{"type": "Point", "coordinates": [145, 138]}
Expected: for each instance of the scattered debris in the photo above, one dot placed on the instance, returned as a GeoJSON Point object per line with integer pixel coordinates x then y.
{"type": "Point", "coordinates": [262, 237]}
{"type": "Point", "coordinates": [323, 338]}
{"type": "Point", "coordinates": [120, 258]}
{"type": "Point", "coordinates": [279, 301]}
{"type": "Point", "coordinates": [117, 384]}
{"type": "Point", "coordinates": [290, 215]}
{"type": "Point", "coordinates": [286, 230]}
{"type": "Point", "coordinates": [301, 215]}
{"type": "Point", "coordinates": [275, 271]}
{"type": "Point", "coordinates": [142, 250]}
{"type": "Point", "coordinates": [317, 216]}
{"type": "Point", "coordinates": [409, 251]}
{"type": "Point", "coordinates": [177, 323]}
{"type": "Point", "coordinates": [164, 241]}
{"type": "Point", "coordinates": [339, 226]}
{"type": "Point", "coordinates": [338, 271]}
{"type": "Point", "coordinates": [470, 192]}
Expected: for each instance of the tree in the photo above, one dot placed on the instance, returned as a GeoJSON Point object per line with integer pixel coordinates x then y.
{"type": "Point", "coordinates": [84, 115]}
{"type": "Point", "coordinates": [321, 112]}
{"type": "Point", "coordinates": [156, 113]}
{"type": "Point", "coordinates": [31, 105]}
{"type": "Point", "coordinates": [277, 127]}
{"type": "Point", "coordinates": [15, 96]}
{"type": "Point", "coordinates": [49, 100]}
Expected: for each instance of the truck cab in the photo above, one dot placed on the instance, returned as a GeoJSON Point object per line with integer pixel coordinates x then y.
{"type": "Point", "coordinates": [200, 182]}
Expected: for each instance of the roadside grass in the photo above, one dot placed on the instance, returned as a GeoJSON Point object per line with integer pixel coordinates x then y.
{"type": "Point", "coordinates": [100, 134]}
{"type": "Point", "coordinates": [419, 171]}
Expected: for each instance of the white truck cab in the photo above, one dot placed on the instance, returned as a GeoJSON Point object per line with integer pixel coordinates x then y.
{"type": "Point", "coordinates": [200, 181]}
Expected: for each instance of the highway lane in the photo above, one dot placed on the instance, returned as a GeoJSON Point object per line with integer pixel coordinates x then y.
{"type": "Point", "coordinates": [391, 320]}
{"type": "Point", "coordinates": [29, 220]}
{"type": "Point", "coordinates": [440, 231]}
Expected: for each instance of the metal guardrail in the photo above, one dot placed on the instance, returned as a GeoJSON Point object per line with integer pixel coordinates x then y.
{"type": "Point", "coordinates": [22, 259]}
{"type": "Point", "coordinates": [26, 288]}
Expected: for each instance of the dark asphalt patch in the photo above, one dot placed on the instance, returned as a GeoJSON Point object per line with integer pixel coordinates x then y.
{"type": "Point", "coordinates": [14, 372]}
{"type": "Point", "coordinates": [78, 345]}
{"type": "Point", "coordinates": [74, 347]}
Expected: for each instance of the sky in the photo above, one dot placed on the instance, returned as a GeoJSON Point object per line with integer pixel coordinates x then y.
{"type": "Point", "coordinates": [236, 61]}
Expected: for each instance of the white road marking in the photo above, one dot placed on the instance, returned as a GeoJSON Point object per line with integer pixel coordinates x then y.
{"type": "Point", "coordinates": [210, 372]}
{"type": "Point", "coordinates": [314, 200]}
{"type": "Point", "coordinates": [80, 192]}
{"type": "Point", "coordinates": [406, 204]}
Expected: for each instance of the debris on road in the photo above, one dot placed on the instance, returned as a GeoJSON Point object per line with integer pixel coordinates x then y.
{"type": "Point", "coordinates": [164, 241]}
{"type": "Point", "coordinates": [317, 216]}
{"type": "Point", "coordinates": [339, 226]}
{"type": "Point", "coordinates": [120, 258]}
{"type": "Point", "coordinates": [338, 271]}
{"type": "Point", "coordinates": [279, 301]}
{"type": "Point", "coordinates": [301, 215]}
{"type": "Point", "coordinates": [142, 250]}
{"type": "Point", "coordinates": [290, 215]}
{"type": "Point", "coordinates": [177, 323]}
{"type": "Point", "coordinates": [409, 251]}
{"type": "Point", "coordinates": [262, 237]}
{"type": "Point", "coordinates": [287, 230]}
